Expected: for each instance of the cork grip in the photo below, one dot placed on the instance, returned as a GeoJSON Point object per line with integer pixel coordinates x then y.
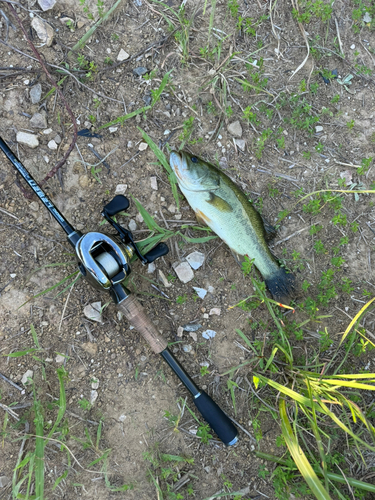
{"type": "Point", "coordinates": [136, 315]}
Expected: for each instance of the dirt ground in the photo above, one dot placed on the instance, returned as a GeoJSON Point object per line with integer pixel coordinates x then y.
{"type": "Point", "coordinates": [136, 389]}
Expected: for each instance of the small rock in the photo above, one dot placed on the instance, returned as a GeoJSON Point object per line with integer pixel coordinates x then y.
{"type": "Point", "coordinates": [34, 205]}
{"type": "Point", "coordinates": [193, 335]}
{"type": "Point", "coordinates": [154, 183]}
{"type": "Point", "coordinates": [147, 99]}
{"type": "Point", "coordinates": [112, 130]}
{"type": "Point", "coordinates": [52, 144]}
{"type": "Point", "coordinates": [13, 275]}
{"type": "Point", "coordinates": [180, 331]}
{"type": "Point", "coordinates": [211, 289]}
{"type": "Point", "coordinates": [201, 292]}
{"type": "Point", "coordinates": [38, 120]}
{"type": "Point", "coordinates": [132, 225]}
{"type": "Point", "coordinates": [130, 144]}
{"type": "Point", "coordinates": [30, 140]}
{"type": "Point", "coordinates": [121, 188]}
{"type": "Point", "coordinates": [352, 46]}
{"type": "Point", "coordinates": [122, 418]}
{"type": "Point", "coordinates": [367, 18]}
{"type": "Point", "coordinates": [57, 139]}
{"type": "Point", "coordinates": [208, 334]}
{"type": "Point", "coordinates": [187, 348]}
{"type": "Point", "coordinates": [241, 144]}
{"type": "Point", "coordinates": [4, 481]}
{"type": "Point", "coordinates": [151, 268]}
{"type": "Point", "coordinates": [90, 348]}
{"type": "Point", "coordinates": [43, 30]}
{"type": "Point", "coordinates": [94, 312]}
{"type": "Point", "coordinates": [142, 146]}
{"type": "Point", "coordinates": [195, 260]}
{"type": "Point", "coordinates": [164, 279]}
{"type": "Point", "coordinates": [347, 175]}
{"type": "Point", "coordinates": [122, 55]}
{"type": "Point", "coordinates": [66, 19]}
{"type": "Point", "coordinates": [46, 159]}
{"type": "Point", "coordinates": [141, 70]}
{"type": "Point", "coordinates": [47, 131]}
{"type": "Point", "coordinates": [215, 310]}
{"type": "Point", "coordinates": [26, 376]}
{"type": "Point", "coordinates": [46, 4]}
{"type": "Point", "coordinates": [80, 24]}
{"type": "Point", "coordinates": [36, 93]}
{"type": "Point", "coordinates": [167, 131]}
{"type": "Point", "coordinates": [84, 181]}
{"type": "Point", "coordinates": [60, 358]}
{"type": "Point", "coordinates": [192, 327]}
{"type": "Point", "coordinates": [318, 128]}
{"type": "Point", "coordinates": [184, 272]}
{"type": "Point", "coordinates": [95, 383]}
{"type": "Point", "coordinates": [235, 129]}
{"type": "Point", "coordinates": [93, 396]}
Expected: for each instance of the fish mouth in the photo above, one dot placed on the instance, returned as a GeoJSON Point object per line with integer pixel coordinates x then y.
{"type": "Point", "coordinates": [174, 159]}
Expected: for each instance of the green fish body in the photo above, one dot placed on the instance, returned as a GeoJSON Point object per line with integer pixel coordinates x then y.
{"type": "Point", "coordinates": [220, 204]}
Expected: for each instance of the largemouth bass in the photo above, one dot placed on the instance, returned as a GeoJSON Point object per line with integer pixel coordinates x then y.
{"type": "Point", "coordinates": [220, 204]}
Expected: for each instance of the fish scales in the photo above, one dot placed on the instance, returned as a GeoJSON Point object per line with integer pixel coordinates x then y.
{"type": "Point", "coordinates": [220, 204]}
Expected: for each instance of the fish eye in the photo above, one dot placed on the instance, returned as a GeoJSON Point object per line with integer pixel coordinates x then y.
{"type": "Point", "coordinates": [194, 159]}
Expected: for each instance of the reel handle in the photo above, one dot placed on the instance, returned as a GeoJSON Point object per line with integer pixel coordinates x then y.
{"type": "Point", "coordinates": [135, 313]}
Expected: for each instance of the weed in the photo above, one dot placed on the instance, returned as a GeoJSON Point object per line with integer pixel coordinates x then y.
{"type": "Point", "coordinates": [84, 404]}
{"type": "Point", "coordinates": [181, 299]}
{"type": "Point", "coordinates": [204, 370]}
{"type": "Point", "coordinates": [350, 124]}
{"type": "Point", "coordinates": [204, 432]}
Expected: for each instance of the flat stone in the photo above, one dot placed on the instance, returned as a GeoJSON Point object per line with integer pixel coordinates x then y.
{"type": "Point", "coordinates": [57, 139]}
{"type": "Point", "coordinates": [121, 188]}
{"type": "Point", "coordinates": [216, 311]}
{"type": "Point", "coordinates": [151, 268]}
{"type": "Point", "coordinates": [132, 225]}
{"type": "Point", "coordinates": [367, 18]}
{"type": "Point", "coordinates": [184, 272]}
{"type": "Point", "coordinates": [93, 396]}
{"type": "Point", "coordinates": [46, 4]}
{"type": "Point", "coordinates": [36, 93]}
{"type": "Point", "coordinates": [172, 209]}
{"type": "Point", "coordinates": [318, 128]}
{"type": "Point", "coordinates": [235, 129]}
{"type": "Point", "coordinates": [141, 70]}
{"type": "Point", "coordinates": [208, 334]}
{"type": "Point", "coordinates": [122, 55]}
{"type": "Point", "coordinates": [43, 30]}
{"type": "Point", "coordinates": [38, 120]}
{"type": "Point", "coordinates": [30, 140]}
{"type": "Point", "coordinates": [34, 205]}
{"type": "Point", "coordinates": [52, 144]}
{"type": "Point", "coordinates": [90, 347]}
{"type": "Point", "coordinates": [180, 331]}
{"type": "Point", "coordinates": [4, 481]}
{"type": "Point", "coordinates": [154, 183]}
{"type": "Point", "coordinates": [187, 348]}
{"type": "Point", "coordinates": [26, 376]}
{"type": "Point", "coordinates": [201, 292]}
{"type": "Point", "coordinates": [195, 260]}
{"type": "Point", "coordinates": [112, 130]}
{"type": "Point", "coordinates": [194, 336]}
{"type": "Point", "coordinates": [95, 383]}
{"type": "Point", "coordinates": [241, 144]}
{"type": "Point", "coordinates": [47, 131]}
{"type": "Point", "coordinates": [191, 327]}
{"type": "Point", "coordinates": [142, 146]}
{"type": "Point", "coordinates": [352, 46]}
{"type": "Point", "coordinates": [60, 358]}
{"type": "Point", "coordinates": [94, 312]}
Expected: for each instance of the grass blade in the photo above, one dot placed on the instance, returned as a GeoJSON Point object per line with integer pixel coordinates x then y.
{"type": "Point", "coordinates": [355, 319]}
{"type": "Point", "coordinates": [300, 458]}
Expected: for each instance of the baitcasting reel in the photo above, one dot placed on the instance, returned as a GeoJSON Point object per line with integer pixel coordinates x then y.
{"type": "Point", "coordinates": [104, 260]}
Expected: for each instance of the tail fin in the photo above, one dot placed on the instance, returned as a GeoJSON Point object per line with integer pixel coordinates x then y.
{"type": "Point", "coordinates": [281, 285]}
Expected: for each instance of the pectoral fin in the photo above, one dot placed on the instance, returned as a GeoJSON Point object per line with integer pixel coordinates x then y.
{"type": "Point", "coordinates": [219, 203]}
{"type": "Point", "coordinates": [202, 219]}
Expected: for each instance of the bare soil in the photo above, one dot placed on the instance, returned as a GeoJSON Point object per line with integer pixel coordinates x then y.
{"type": "Point", "coordinates": [136, 388]}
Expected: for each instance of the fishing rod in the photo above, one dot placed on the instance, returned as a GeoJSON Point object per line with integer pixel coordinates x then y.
{"type": "Point", "coordinates": [104, 261]}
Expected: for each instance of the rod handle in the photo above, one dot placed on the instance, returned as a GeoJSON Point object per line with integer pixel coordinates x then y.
{"type": "Point", "coordinates": [135, 313]}
{"type": "Point", "coordinates": [219, 422]}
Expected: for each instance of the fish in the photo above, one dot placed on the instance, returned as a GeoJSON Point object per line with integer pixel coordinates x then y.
{"type": "Point", "coordinates": [221, 205]}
